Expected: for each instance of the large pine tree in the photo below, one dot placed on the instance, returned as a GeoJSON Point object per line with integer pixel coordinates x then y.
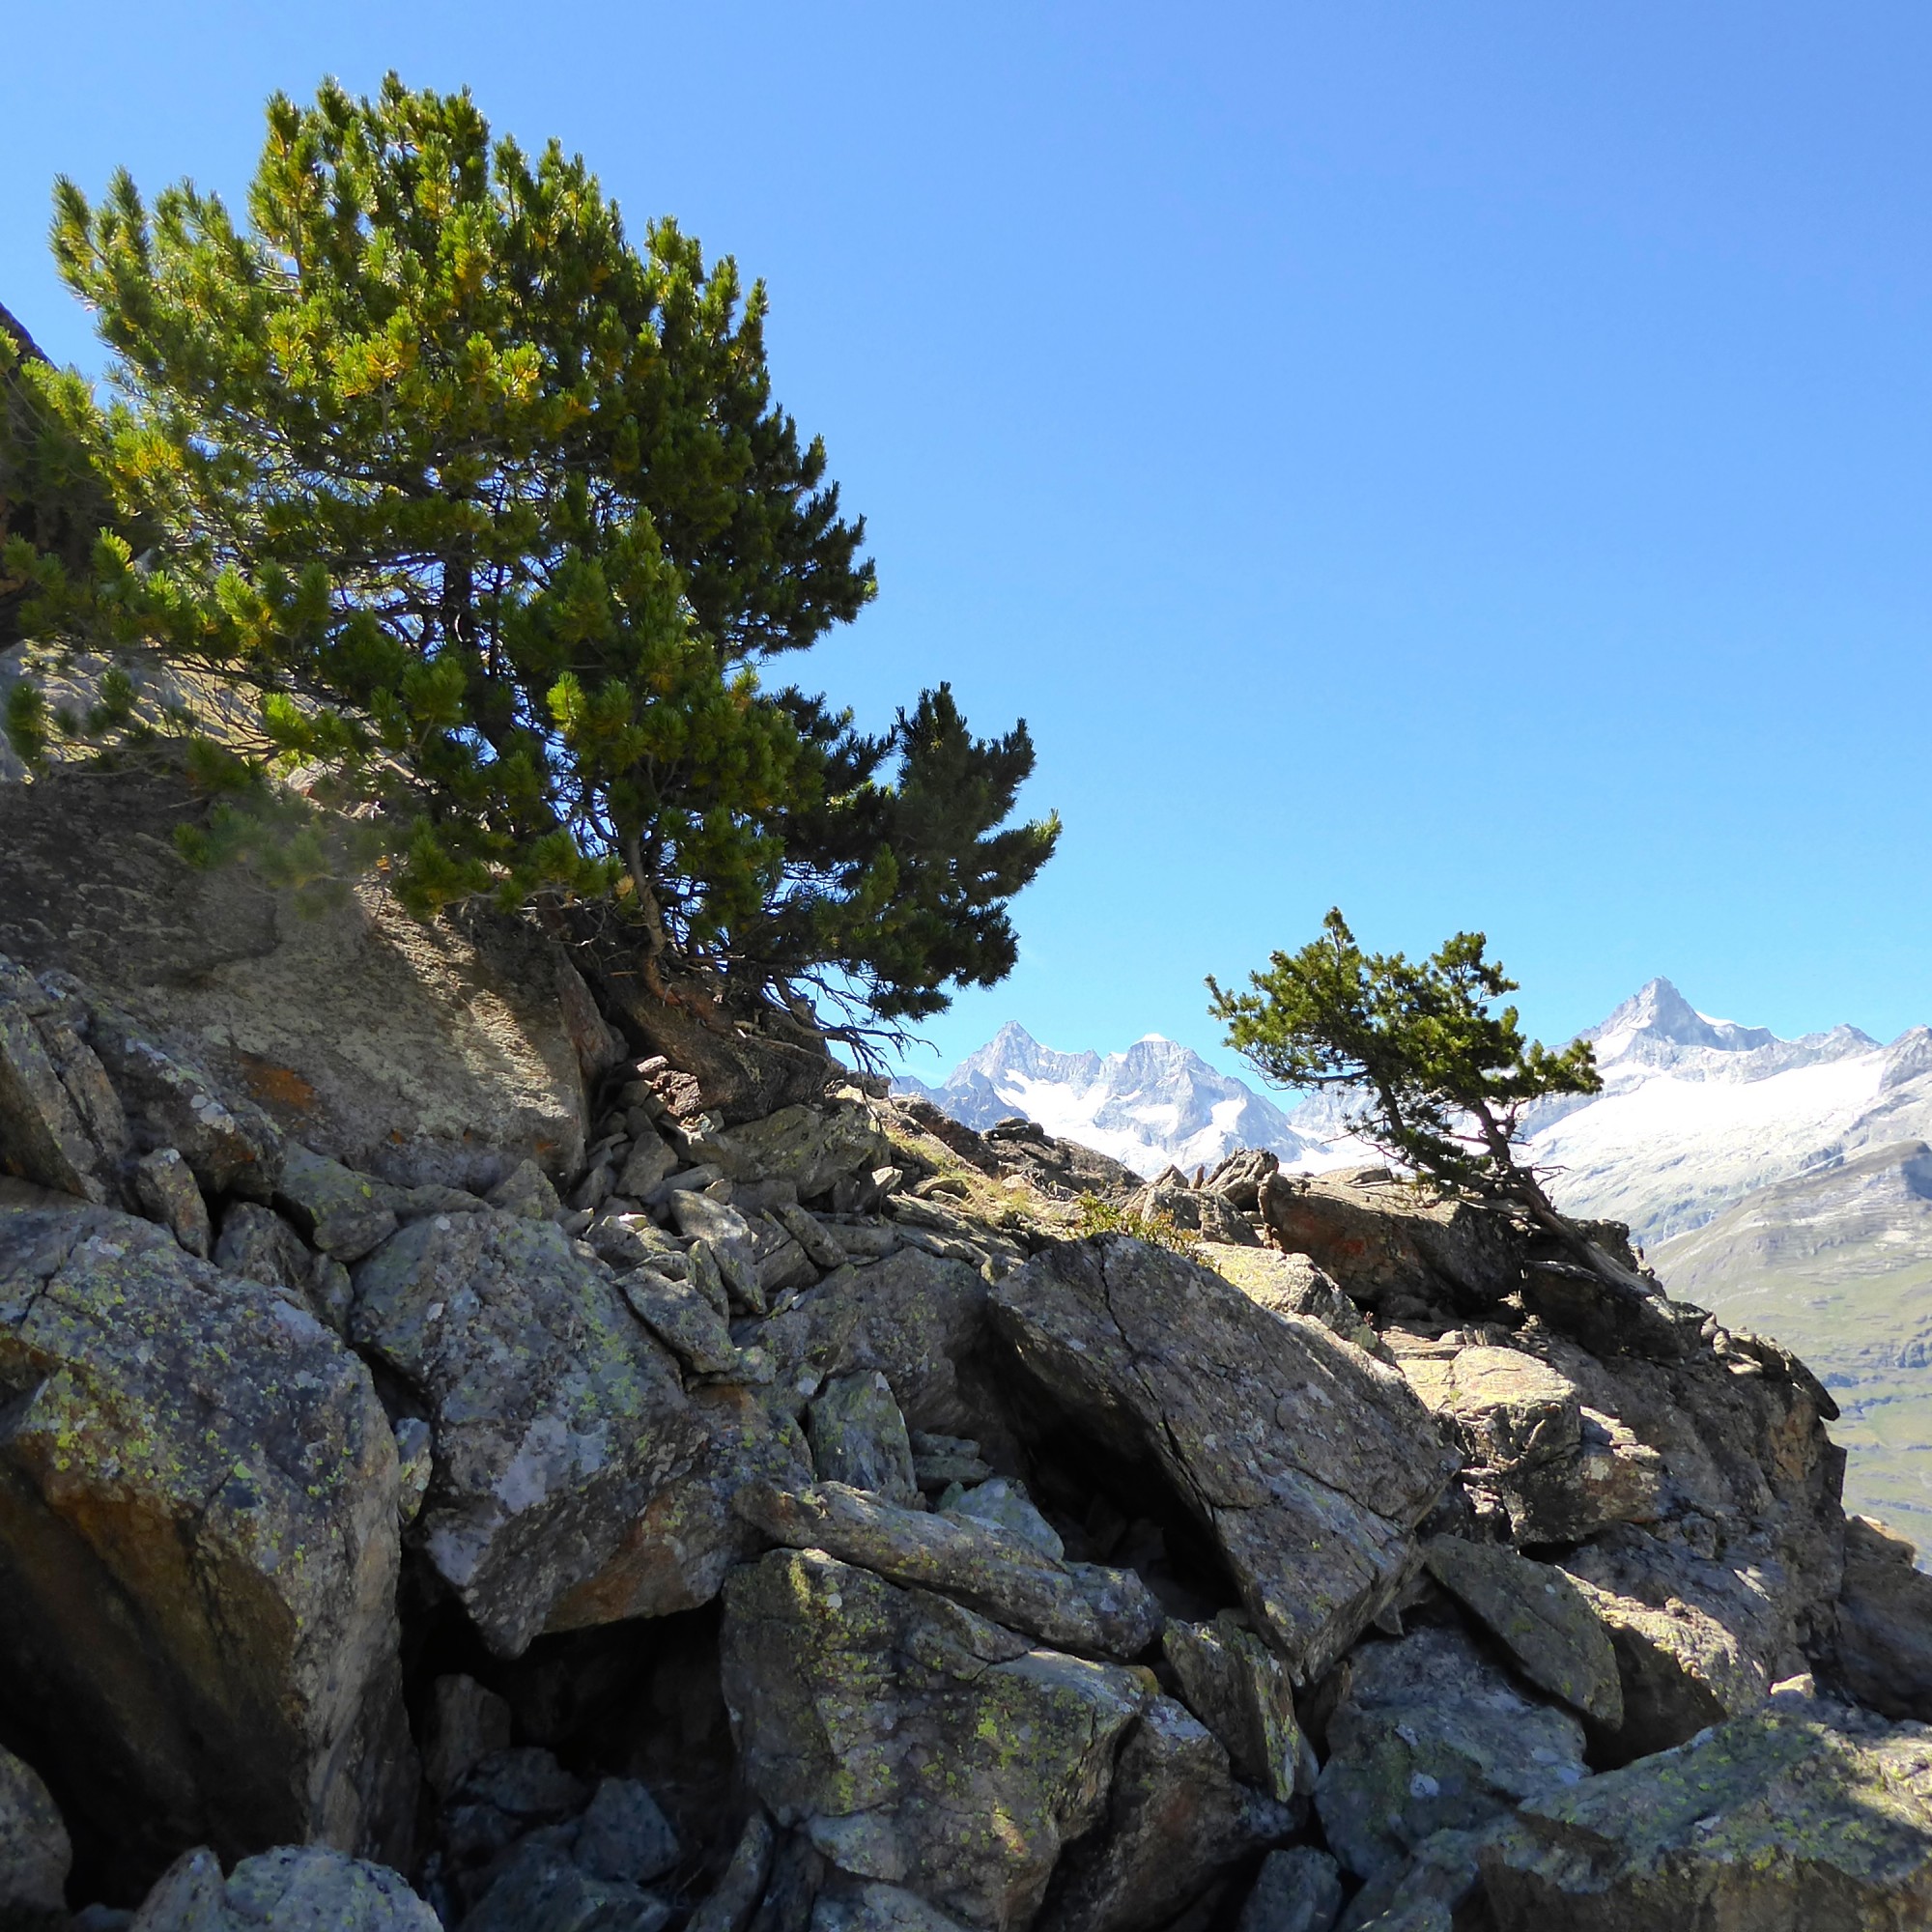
{"type": "Point", "coordinates": [494, 510]}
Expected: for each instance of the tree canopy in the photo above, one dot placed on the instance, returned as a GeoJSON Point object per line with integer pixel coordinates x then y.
{"type": "Point", "coordinates": [1440, 1074]}
{"type": "Point", "coordinates": [496, 510]}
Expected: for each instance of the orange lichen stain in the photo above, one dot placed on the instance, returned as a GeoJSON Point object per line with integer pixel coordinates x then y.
{"type": "Point", "coordinates": [279, 1087]}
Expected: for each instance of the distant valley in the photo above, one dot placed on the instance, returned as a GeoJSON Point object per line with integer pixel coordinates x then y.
{"type": "Point", "coordinates": [1786, 1184]}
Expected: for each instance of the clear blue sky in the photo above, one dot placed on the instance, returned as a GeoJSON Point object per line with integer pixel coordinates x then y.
{"type": "Point", "coordinates": [1469, 464]}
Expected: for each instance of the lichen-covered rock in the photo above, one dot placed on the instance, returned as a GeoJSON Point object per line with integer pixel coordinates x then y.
{"type": "Point", "coordinates": [291, 1888]}
{"type": "Point", "coordinates": [1547, 1619]}
{"type": "Point", "coordinates": [813, 1147]}
{"type": "Point", "coordinates": [344, 1213]}
{"type": "Point", "coordinates": [729, 1235]}
{"type": "Point", "coordinates": [913, 1740]}
{"type": "Point", "coordinates": [198, 1546]}
{"type": "Point", "coordinates": [1073, 1605]}
{"type": "Point", "coordinates": [1001, 1500]}
{"type": "Point", "coordinates": [256, 1243]}
{"type": "Point", "coordinates": [1292, 1285]}
{"type": "Point", "coordinates": [735, 1895]}
{"type": "Point", "coordinates": [1884, 1646]}
{"type": "Point", "coordinates": [558, 1416]}
{"type": "Point", "coordinates": [682, 1319]}
{"type": "Point", "coordinates": [1799, 1818]}
{"type": "Point", "coordinates": [1175, 1822]}
{"type": "Point", "coordinates": [1240, 1690]}
{"type": "Point", "coordinates": [34, 1856]}
{"type": "Point", "coordinates": [1306, 1459]}
{"type": "Point", "coordinates": [1429, 1737]}
{"type": "Point", "coordinates": [1209, 1214]}
{"type": "Point", "coordinates": [918, 1318]}
{"type": "Point", "coordinates": [859, 1437]}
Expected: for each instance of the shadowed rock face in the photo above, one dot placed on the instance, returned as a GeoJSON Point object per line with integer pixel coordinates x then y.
{"type": "Point", "coordinates": [1306, 1460]}
{"type": "Point", "coordinates": [198, 1546]}
{"type": "Point", "coordinates": [419, 1053]}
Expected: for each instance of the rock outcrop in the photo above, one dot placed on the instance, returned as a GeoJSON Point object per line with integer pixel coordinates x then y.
{"type": "Point", "coordinates": [476, 1453]}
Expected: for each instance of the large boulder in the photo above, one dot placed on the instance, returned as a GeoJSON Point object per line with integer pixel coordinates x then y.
{"type": "Point", "coordinates": [290, 1888]}
{"type": "Point", "coordinates": [61, 1121]}
{"type": "Point", "coordinates": [1177, 1822]}
{"type": "Point", "coordinates": [1802, 1818]}
{"type": "Point", "coordinates": [198, 1549]}
{"type": "Point", "coordinates": [1306, 1460]}
{"type": "Point", "coordinates": [560, 1418]}
{"type": "Point", "coordinates": [1429, 1736]}
{"type": "Point", "coordinates": [1884, 1623]}
{"type": "Point", "coordinates": [1393, 1246]}
{"type": "Point", "coordinates": [445, 1051]}
{"type": "Point", "coordinates": [913, 1740]}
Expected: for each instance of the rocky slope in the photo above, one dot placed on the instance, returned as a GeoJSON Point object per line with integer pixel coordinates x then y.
{"type": "Point", "coordinates": [501, 1492]}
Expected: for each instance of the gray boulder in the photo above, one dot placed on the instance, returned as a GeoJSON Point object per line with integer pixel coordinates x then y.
{"type": "Point", "coordinates": [859, 1437]}
{"type": "Point", "coordinates": [293, 1889]}
{"type": "Point", "coordinates": [257, 1243]}
{"type": "Point", "coordinates": [682, 1319]}
{"type": "Point", "coordinates": [1298, 1891]}
{"type": "Point", "coordinates": [1800, 1816]}
{"type": "Point", "coordinates": [1306, 1460]}
{"type": "Point", "coordinates": [1074, 1605]}
{"type": "Point", "coordinates": [198, 1546]}
{"type": "Point", "coordinates": [877, 1908]}
{"type": "Point", "coordinates": [61, 1121]}
{"type": "Point", "coordinates": [913, 1740]}
{"type": "Point", "coordinates": [813, 1148]}
{"type": "Point", "coordinates": [165, 1191]}
{"type": "Point", "coordinates": [1176, 1822]}
{"type": "Point", "coordinates": [558, 1416]}
{"type": "Point", "coordinates": [34, 1856]}
{"type": "Point", "coordinates": [1240, 1690]}
{"type": "Point", "coordinates": [1429, 1737]}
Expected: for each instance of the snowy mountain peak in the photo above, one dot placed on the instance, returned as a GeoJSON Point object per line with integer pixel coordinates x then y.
{"type": "Point", "coordinates": [1659, 1014]}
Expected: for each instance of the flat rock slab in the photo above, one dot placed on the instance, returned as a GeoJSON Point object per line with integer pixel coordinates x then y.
{"type": "Point", "coordinates": [913, 1742]}
{"type": "Point", "coordinates": [198, 1548]}
{"type": "Point", "coordinates": [1803, 1817]}
{"type": "Point", "coordinates": [1548, 1621]}
{"type": "Point", "coordinates": [1308, 1461]}
{"type": "Point", "coordinates": [558, 1416]}
{"type": "Point", "coordinates": [989, 1568]}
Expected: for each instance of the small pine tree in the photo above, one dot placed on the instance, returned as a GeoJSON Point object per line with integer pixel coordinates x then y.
{"type": "Point", "coordinates": [1442, 1073]}
{"type": "Point", "coordinates": [497, 513]}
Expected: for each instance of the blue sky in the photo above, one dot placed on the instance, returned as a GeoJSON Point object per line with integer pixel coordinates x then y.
{"type": "Point", "coordinates": [1467, 463]}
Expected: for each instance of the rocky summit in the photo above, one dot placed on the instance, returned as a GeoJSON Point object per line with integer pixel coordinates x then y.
{"type": "Point", "coordinates": [461, 1467]}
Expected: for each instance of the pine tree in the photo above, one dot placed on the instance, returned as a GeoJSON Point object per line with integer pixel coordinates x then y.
{"type": "Point", "coordinates": [497, 512]}
{"type": "Point", "coordinates": [1441, 1074]}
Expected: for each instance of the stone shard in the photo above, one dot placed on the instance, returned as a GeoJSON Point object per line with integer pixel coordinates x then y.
{"type": "Point", "coordinates": [729, 1235]}
{"type": "Point", "coordinates": [1884, 1646]}
{"type": "Point", "coordinates": [1298, 1891]}
{"type": "Point", "coordinates": [1240, 1690]}
{"type": "Point", "coordinates": [257, 1243]}
{"type": "Point", "coordinates": [1000, 1500]}
{"type": "Point", "coordinates": [1548, 1621]}
{"type": "Point", "coordinates": [682, 1319]}
{"type": "Point", "coordinates": [344, 1213]}
{"type": "Point", "coordinates": [198, 1548]}
{"type": "Point", "coordinates": [624, 1835]}
{"type": "Point", "coordinates": [913, 1742]}
{"type": "Point", "coordinates": [735, 1896]}
{"type": "Point", "coordinates": [1429, 1737]}
{"type": "Point", "coordinates": [649, 1161]}
{"type": "Point", "coordinates": [560, 1420]}
{"type": "Point", "coordinates": [859, 1437]}
{"type": "Point", "coordinates": [526, 1190]}
{"type": "Point", "coordinates": [466, 1724]}
{"type": "Point", "coordinates": [812, 1148]}
{"type": "Point", "coordinates": [1074, 1605]}
{"type": "Point", "coordinates": [1802, 1817]}
{"type": "Point", "coordinates": [1306, 1460]}
{"type": "Point", "coordinates": [166, 1193]}
{"type": "Point", "coordinates": [1175, 1822]}
{"type": "Point", "coordinates": [61, 1123]}
{"type": "Point", "coordinates": [34, 1856]}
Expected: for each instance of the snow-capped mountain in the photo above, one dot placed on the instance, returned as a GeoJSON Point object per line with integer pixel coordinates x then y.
{"type": "Point", "coordinates": [1697, 1113]}
{"type": "Point", "coordinates": [1157, 1104]}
